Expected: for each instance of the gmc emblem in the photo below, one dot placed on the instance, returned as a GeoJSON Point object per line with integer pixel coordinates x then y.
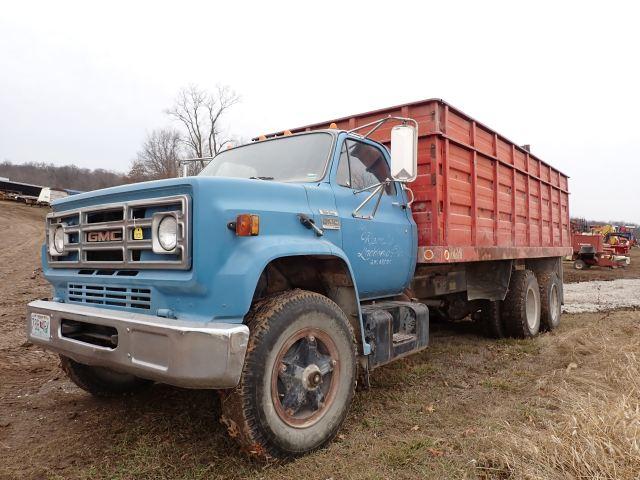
{"type": "Point", "coordinates": [104, 236]}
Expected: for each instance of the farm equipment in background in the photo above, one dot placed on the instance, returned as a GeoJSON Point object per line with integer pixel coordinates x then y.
{"type": "Point", "coordinates": [591, 250]}
{"type": "Point", "coordinates": [630, 232]}
{"type": "Point", "coordinates": [603, 230]}
{"type": "Point", "coordinates": [620, 242]}
{"type": "Point", "coordinates": [579, 225]}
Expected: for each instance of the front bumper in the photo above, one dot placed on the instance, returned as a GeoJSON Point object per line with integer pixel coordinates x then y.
{"type": "Point", "coordinates": [180, 353]}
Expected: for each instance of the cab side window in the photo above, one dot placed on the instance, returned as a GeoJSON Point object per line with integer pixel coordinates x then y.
{"type": "Point", "coordinates": [362, 165]}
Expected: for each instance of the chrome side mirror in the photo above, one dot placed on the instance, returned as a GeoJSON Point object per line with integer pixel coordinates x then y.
{"type": "Point", "coordinates": [404, 153]}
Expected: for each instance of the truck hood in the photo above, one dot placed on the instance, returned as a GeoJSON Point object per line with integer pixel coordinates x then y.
{"type": "Point", "coordinates": [197, 187]}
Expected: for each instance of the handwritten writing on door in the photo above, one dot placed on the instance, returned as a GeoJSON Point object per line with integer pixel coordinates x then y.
{"type": "Point", "coordinates": [378, 250]}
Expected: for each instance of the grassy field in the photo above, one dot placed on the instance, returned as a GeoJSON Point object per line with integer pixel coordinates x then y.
{"type": "Point", "coordinates": [564, 405]}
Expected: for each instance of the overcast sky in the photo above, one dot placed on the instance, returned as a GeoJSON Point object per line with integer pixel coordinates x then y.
{"type": "Point", "coordinates": [83, 83]}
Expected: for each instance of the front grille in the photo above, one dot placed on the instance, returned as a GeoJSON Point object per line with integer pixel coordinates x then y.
{"type": "Point", "coordinates": [110, 295]}
{"type": "Point", "coordinates": [119, 236]}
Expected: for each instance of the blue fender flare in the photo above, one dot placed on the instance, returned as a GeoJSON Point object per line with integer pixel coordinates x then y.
{"type": "Point", "coordinates": [239, 275]}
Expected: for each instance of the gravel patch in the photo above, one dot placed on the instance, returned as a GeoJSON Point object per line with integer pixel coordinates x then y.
{"type": "Point", "coordinates": [599, 296]}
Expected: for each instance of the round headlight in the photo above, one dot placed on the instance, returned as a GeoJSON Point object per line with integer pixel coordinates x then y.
{"type": "Point", "coordinates": [168, 233]}
{"type": "Point", "coordinates": [58, 239]}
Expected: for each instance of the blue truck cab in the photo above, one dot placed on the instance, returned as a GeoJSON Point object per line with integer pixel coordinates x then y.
{"type": "Point", "coordinates": [276, 276]}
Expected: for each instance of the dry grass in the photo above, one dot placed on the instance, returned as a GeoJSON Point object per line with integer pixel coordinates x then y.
{"type": "Point", "coordinates": [593, 425]}
{"type": "Point", "coordinates": [564, 405]}
{"type": "Point", "coordinates": [466, 407]}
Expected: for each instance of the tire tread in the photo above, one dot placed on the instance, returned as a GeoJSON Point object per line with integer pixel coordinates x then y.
{"type": "Point", "coordinates": [239, 414]}
{"type": "Point", "coordinates": [514, 304]}
{"type": "Point", "coordinates": [492, 321]}
{"type": "Point", "coordinates": [545, 280]}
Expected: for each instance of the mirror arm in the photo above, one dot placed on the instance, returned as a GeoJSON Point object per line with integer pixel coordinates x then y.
{"type": "Point", "coordinates": [378, 189]}
{"type": "Point", "coordinates": [407, 189]}
{"type": "Point", "coordinates": [378, 124]}
{"type": "Point", "coordinates": [375, 208]}
{"type": "Point", "coordinates": [371, 187]}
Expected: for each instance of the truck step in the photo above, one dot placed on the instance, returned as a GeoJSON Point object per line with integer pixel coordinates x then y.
{"type": "Point", "coordinates": [394, 330]}
{"type": "Point", "coordinates": [402, 337]}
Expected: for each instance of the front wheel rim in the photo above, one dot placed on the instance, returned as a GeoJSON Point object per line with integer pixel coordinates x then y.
{"type": "Point", "coordinates": [305, 377]}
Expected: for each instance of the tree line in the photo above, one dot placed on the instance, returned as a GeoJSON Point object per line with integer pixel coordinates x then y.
{"type": "Point", "coordinates": [67, 176]}
{"type": "Point", "coordinates": [197, 131]}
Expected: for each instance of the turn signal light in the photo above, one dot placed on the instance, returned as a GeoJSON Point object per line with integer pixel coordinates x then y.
{"type": "Point", "coordinates": [246, 225]}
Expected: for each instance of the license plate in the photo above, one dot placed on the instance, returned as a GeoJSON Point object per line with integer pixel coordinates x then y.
{"type": "Point", "coordinates": [40, 326]}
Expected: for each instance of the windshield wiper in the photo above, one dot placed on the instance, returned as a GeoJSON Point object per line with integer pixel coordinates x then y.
{"type": "Point", "coordinates": [261, 178]}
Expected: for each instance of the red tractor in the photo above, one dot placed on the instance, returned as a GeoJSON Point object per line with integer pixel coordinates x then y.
{"type": "Point", "coordinates": [591, 250]}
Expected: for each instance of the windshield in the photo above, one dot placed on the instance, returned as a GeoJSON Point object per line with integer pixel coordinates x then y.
{"type": "Point", "coordinates": [299, 158]}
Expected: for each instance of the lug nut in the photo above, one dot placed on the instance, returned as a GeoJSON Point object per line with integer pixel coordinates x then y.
{"type": "Point", "coordinates": [312, 338]}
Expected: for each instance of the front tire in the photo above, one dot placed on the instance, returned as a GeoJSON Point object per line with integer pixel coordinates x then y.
{"type": "Point", "coordinates": [298, 378]}
{"type": "Point", "coordinates": [521, 306]}
{"type": "Point", "coordinates": [102, 382]}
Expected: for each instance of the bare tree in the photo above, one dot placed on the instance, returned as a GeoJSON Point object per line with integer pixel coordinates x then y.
{"type": "Point", "coordinates": [200, 113]}
{"type": "Point", "coordinates": [158, 157]}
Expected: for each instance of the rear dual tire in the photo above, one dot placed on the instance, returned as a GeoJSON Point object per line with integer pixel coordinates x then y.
{"type": "Point", "coordinates": [492, 321]}
{"type": "Point", "coordinates": [521, 307]}
{"type": "Point", "coordinates": [550, 300]}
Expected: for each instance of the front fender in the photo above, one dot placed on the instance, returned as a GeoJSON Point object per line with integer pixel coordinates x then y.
{"type": "Point", "coordinates": [238, 277]}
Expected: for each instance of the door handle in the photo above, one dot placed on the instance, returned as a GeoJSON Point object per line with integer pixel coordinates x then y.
{"type": "Point", "coordinates": [310, 224]}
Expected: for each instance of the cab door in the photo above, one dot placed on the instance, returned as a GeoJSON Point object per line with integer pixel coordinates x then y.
{"type": "Point", "coordinates": [381, 246]}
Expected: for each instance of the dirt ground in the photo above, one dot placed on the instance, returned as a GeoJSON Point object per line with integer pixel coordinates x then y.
{"type": "Point", "coordinates": [571, 275]}
{"type": "Point", "coordinates": [564, 405]}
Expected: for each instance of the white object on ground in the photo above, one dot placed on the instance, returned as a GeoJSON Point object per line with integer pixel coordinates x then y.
{"type": "Point", "coordinates": [598, 296]}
